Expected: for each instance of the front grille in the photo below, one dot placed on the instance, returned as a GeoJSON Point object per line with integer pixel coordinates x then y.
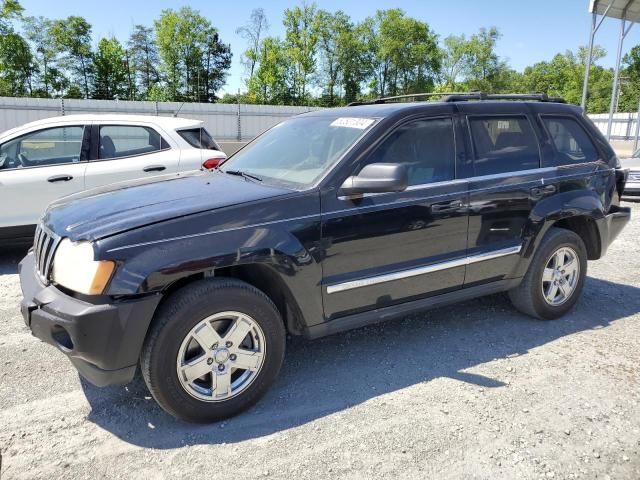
{"type": "Point", "coordinates": [44, 246]}
{"type": "Point", "coordinates": [634, 177]}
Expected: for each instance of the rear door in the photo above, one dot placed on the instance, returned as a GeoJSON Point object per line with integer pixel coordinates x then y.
{"type": "Point", "coordinates": [505, 182]}
{"type": "Point", "coordinates": [385, 249]}
{"type": "Point", "coordinates": [39, 167]}
{"type": "Point", "coordinates": [126, 151]}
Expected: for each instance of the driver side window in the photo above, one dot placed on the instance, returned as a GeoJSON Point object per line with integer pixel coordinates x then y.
{"type": "Point", "coordinates": [52, 146]}
{"type": "Point", "coordinates": [426, 146]}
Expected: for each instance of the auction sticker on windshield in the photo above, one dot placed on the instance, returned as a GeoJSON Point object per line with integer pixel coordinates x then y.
{"type": "Point", "coordinates": [352, 122]}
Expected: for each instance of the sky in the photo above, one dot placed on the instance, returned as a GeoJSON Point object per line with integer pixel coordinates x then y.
{"type": "Point", "coordinates": [532, 31]}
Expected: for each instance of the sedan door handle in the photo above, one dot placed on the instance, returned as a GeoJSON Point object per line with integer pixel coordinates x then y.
{"type": "Point", "coordinates": [59, 178]}
{"type": "Point", "coordinates": [154, 168]}
{"type": "Point", "coordinates": [447, 206]}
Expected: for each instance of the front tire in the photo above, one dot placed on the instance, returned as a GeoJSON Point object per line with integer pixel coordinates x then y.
{"type": "Point", "coordinates": [214, 348]}
{"type": "Point", "coordinates": [556, 275]}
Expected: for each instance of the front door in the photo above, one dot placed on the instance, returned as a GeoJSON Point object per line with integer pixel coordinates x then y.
{"type": "Point", "coordinates": [385, 249]}
{"type": "Point", "coordinates": [38, 168]}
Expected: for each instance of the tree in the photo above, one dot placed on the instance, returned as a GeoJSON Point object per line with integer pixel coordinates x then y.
{"type": "Point", "coordinates": [144, 59]}
{"type": "Point", "coordinates": [111, 70]}
{"type": "Point", "coordinates": [301, 37]}
{"type": "Point", "coordinates": [16, 66]}
{"type": "Point", "coordinates": [403, 52]}
{"type": "Point", "coordinates": [9, 10]}
{"type": "Point", "coordinates": [563, 76]}
{"type": "Point", "coordinates": [485, 69]}
{"type": "Point", "coordinates": [252, 32]}
{"type": "Point", "coordinates": [189, 48]}
{"type": "Point", "coordinates": [38, 32]}
{"type": "Point", "coordinates": [456, 54]}
{"type": "Point", "coordinates": [72, 37]}
{"type": "Point", "coordinates": [215, 65]}
{"type": "Point", "coordinates": [268, 84]}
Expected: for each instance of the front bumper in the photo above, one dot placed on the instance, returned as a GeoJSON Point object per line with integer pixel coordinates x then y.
{"type": "Point", "coordinates": [103, 341]}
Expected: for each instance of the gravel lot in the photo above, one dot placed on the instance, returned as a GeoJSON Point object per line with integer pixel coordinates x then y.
{"type": "Point", "coordinates": [471, 391]}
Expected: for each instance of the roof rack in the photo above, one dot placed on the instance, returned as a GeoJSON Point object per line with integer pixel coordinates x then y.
{"type": "Point", "coordinates": [466, 96]}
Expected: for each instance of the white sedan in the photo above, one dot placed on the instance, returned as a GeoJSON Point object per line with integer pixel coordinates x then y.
{"type": "Point", "coordinates": [48, 159]}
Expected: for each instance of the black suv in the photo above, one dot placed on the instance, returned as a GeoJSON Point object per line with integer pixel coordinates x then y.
{"type": "Point", "coordinates": [329, 221]}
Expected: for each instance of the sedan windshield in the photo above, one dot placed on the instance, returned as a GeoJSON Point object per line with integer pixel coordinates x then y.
{"type": "Point", "coordinates": [298, 151]}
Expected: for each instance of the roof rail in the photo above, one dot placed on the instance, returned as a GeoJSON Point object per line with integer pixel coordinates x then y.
{"type": "Point", "coordinates": [536, 97]}
{"type": "Point", "coordinates": [466, 96]}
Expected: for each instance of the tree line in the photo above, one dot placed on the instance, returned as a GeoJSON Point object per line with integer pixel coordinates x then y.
{"type": "Point", "coordinates": [324, 58]}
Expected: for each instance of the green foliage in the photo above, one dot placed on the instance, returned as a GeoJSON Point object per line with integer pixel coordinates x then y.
{"type": "Point", "coordinates": [324, 58]}
{"type": "Point", "coordinates": [72, 38]}
{"type": "Point", "coordinates": [193, 59]}
{"type": "Point", "coordinates": [111, 67]}
{"type": "Point", "coordinates": [144, 60]}
{"type": "Point", "coordinates": [563, 76]}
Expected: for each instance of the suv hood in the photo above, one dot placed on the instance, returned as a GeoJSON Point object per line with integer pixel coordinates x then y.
{"type": "Point", "coordinates": [109, 210]}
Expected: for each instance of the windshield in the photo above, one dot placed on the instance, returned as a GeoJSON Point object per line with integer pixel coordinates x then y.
{"type": "Point", "coordinates": [298, 151]}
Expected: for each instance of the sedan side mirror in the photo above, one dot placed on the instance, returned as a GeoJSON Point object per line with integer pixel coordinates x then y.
{"type": "Point", "coordinates": [377, 178]}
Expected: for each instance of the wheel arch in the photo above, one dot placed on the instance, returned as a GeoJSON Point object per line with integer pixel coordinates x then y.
{"type": "Point", "coordinates": [580, 211]}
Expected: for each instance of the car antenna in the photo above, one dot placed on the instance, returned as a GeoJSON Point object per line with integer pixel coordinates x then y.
{"type": "Point", "coordinates": [178, 110]}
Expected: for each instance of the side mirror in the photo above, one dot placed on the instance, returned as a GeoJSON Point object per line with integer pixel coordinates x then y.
{"type": "Point", "coordinates": [377, 178]}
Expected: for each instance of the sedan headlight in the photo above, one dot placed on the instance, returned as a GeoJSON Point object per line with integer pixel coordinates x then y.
{"type": "Point", "coordinates": [75, 268]}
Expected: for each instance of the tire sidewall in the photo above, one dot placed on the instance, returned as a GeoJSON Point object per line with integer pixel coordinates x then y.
{"type": "Point", "coordinates": [165, 347]}
{"type": "Point", "coordinates": [562, 238]}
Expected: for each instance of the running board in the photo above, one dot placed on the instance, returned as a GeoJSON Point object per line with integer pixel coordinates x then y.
{"type": "Point", "coordinates": [401, 310]}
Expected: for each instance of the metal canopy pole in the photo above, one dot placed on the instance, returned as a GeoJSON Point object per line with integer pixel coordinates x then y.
{"type": "Point", "coordinates": [587, 68]}
{"type": "Point", "coordinates": [616, 74]}
{"type": "Point", "coordinates": [635, 141]}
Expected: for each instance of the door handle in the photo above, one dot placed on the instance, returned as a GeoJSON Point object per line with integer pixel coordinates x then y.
{"type": "Point", "coordinates": [154, 168]}
{"type": "Point", "coordinates": [59, 178]}
{"type": "Point", "coordinates": [446, 206]}
{"type": "Point", "coordinates": [542, 191]}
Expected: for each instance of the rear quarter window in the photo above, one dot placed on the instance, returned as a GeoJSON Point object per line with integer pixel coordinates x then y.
{"type": "Point", "coordinates": [199, 138]}
{"type": "Point", "coordinates": [503, 144]}
{"type": "Point", "coordinates": [570, 141]}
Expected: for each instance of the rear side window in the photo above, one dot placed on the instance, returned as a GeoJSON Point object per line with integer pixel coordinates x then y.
{"type": "Point", "coordinates": [503, 144]}
{"type": "Point", "coordinates": [199, 138]}
{"type": "Point", "coordinates": [118, 141]}
{"type": "Point", "coordinates": [572, 143]}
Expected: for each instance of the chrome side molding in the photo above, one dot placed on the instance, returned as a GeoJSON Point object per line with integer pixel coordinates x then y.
{"type": "Point", "coordinates": [413, 272]}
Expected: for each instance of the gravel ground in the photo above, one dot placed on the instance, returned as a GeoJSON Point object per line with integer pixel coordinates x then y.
{"type": "Point", "coordinates": [470, 391]}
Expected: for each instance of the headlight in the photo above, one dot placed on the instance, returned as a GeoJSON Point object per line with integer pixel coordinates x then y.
{"type": "Point", "coordinates": [75, 268]}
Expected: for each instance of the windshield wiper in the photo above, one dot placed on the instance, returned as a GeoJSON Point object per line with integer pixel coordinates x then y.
{"type": "Point", "coordinates": [240, 173]}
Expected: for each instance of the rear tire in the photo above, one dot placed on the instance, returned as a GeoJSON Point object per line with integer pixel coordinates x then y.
{"type": "Point", "coordinates": [554, 281]}
{"type": "Point", "coordinates": [214, 348]}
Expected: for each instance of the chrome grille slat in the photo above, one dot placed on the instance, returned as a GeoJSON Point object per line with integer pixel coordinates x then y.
{"type": "Point", "coordinates": [44, 247]}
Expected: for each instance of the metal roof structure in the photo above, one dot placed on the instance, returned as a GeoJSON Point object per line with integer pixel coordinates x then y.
{"type": "Point", "coordinates": [628, 13]}
{"type": "Point", "coordinates": [620, 9]}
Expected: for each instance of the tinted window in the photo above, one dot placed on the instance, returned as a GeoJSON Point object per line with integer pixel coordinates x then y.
{"type": "Point", "coordinates": [52, 146]}
{"type": "Point", "coordinates": [199, 138]}
{"type": "Point", "coordinates": [503, 144]}
{"type": "Point", "coordinates": [127, 140]}
{"type": "Point", "coordinates": [426, 146]}
{"type": "Point", "coordinates": [571, 142]}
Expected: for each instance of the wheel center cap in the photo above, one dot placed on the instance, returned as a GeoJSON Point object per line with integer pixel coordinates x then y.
{"type": "Point", "coordinates": [221, 355]}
